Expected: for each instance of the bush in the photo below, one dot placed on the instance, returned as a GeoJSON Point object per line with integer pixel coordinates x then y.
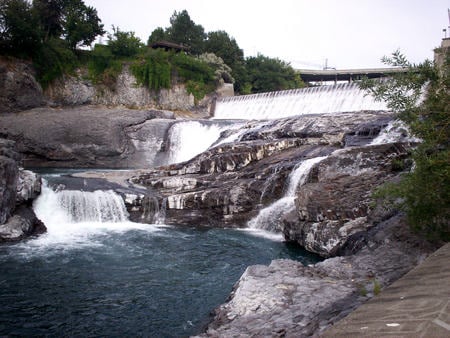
{"type": "Point", "coordinates": [424, 192]}
{"type": "Point", "coordinates": [153, 70]}
{"type": "Point", "coordinates": [52, 60]}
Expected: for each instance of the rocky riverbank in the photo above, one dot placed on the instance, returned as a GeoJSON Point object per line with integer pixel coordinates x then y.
{"type": "Point", "coordinates": [18, 188]}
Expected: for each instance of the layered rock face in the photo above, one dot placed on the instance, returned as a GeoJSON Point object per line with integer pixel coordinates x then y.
{"type": "Point", "coordinates": [18, 188]}
{"type": "Point", "coordinates": [229, 183]}
{"type": "Point", "coordinates": [88, 136]}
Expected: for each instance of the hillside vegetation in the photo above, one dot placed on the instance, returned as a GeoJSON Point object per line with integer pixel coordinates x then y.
{"type": "Point", "coordinates": [56, 35]}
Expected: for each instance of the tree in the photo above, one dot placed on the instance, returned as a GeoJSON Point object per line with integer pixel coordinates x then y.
{"type": "Point", "coordinates": [220, 43]}
{"type": "Point", "coordinates": [81, 25]}
{"type": "Point", "coordinates": [424, 192]}
{"type": "Point", "coordinates": [268, 74]}
{"type": "Point", "coordinates": [18, 33]}
{"type": "Point", "coordinates": [124, 44]}
{"type": "Point", "coordinates": [50, 14]}
{"type": "Point", "coordinates": [157, 35]}
{"type": "Point", "coordinates": [226, 47]}
{"type": "Point", "coordinates": [184, 31]}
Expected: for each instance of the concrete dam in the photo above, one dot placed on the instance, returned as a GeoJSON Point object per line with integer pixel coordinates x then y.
{"type": "Point", "coordinates": [339, 98]}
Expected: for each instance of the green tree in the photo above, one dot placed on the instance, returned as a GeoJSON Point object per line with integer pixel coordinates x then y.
{"type": "Point", "coordinates": [18, 33]}
{"type": "Point", "coordinates": [226, 47]}
{"type": "Point", "coordinates": [184, 31]}
{"type": "Point", "coordinates": [81, 24]}
{"type": "Point", "coordinates": [50, 14]}
{"type": "Point", "coordinates": [268, 74]}
{"type": "Point", "coordinates": [124, 44]}
{"type": "Point", "coordinates": [423, 193]}
{"type": "Point", "coordinates": [157, 35]}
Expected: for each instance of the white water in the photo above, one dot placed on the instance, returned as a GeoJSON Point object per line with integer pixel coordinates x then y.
{"type": "Point", "coordinates": [312, 100]}
{"type": "Point", "coordinates": [75, 218]}
{"type": "Point", "coordinates": [395, 131]}
{"type": "Point", "coordinates": [269, 218]}
{"type": "Point", "coordinates": [190, 138]}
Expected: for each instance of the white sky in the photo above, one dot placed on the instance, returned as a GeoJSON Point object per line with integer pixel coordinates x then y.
{"type": "Point", "coordinates": [349, 33]}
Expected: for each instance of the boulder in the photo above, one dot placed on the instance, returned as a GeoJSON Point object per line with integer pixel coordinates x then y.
{"type": "Point", "coordinates": [22, 224]}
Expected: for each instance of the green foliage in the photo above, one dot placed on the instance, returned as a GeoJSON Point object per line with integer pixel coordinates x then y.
{"type": "Point", "coordinates": [103, 67]}
{"type": "Point", "coordinates": [267, 74]}
{"type": "Point", "coordinates": [198, 74]}
{"type": "Point", "coordinates": [53, 60]}
{"type": "Point", "coordinates": [81, 24]}
{"type": "Point", "coordinates": [153, 70]}
{"type": "Point", "coordinates": [184, 31]}
{"type": "Point", "coordinates": [124, 44]}
{"type": "Point", "coordinates": [424, 192]}
{"type": "Point", "coordinates": [376, 287]}
{"type": "Point", "coordinates": [51, 17]}
{"type": "Point", "coordinates": [18, 33]}
{"type": "Point", "coordinates": [157, 35]}
{"type": "Point", "coordinates": [221, 71]}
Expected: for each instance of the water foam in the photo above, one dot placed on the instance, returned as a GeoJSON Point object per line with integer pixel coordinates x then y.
{"type": "Point", "coordinates": [76, 218]}
{"type": "Point", "coordinates": [190, 138]}
{"type": "Point", "coordinates": [270, 217]}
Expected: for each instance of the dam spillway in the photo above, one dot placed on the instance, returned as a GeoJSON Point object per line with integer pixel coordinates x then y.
{"type": "Point", "coordinates": [347, 97]}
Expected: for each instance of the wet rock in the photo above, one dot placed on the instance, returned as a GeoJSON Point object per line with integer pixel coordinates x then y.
{"type": "Point", "coordinates": [228, 184]}
{"type": "Point", "coordinates": [336, 202]}
{"type": "Point", "coordinates": [22, 224]}
{"type": "Point", "coordinates": [18, 188]}
{"type": "Point", "coordinates": [286, 299]}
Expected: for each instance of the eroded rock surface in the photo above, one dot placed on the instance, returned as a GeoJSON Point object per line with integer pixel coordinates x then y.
{"type": "Point", "coordinates": [248, 168]}
{"type": "Point", "coordinates": [286, 299]}
{"type": "Point", "coordinates": [88, 136]}
{"type": "Point", "coordinates": [18, 188]}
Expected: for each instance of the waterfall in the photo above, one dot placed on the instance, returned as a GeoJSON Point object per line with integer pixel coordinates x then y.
{"type": "Point", "coordinates": [270, 217]}
{"type": "Point", "coordinates": [190, 138]}
{"type": "Point", "coordinates": [75, 218]}
{"type": "Point", "coordinates": [313, 100]}
{"type": "Point", "coordinates": [74, 206]}
{"type": "Point", "coordinates": [395, 131]}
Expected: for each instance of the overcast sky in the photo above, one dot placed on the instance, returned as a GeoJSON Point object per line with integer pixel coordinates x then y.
{"type": "Point", "coordinates": [347, 33]}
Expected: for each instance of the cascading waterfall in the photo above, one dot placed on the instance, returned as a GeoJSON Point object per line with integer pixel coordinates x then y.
{"type": "Point", "coordinates": [269, 218]}
{"type": "Point", "coordinates": [74, 206]}
{"type": "Point", "coordinates": [190, 138]}
{"type": "Point", "coordinates": [313, 100]}
{"type": "Point", "coordinates": [72, 217]}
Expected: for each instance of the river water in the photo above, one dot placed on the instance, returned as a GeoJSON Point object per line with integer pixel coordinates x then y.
{"type": "Point", "coordinates": [91, 278]}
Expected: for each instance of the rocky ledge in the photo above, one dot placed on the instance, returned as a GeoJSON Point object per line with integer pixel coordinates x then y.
{"type": "Point", "coordinates": [18, 188]}
{"type": "Point", "coordinates": [287, 299]}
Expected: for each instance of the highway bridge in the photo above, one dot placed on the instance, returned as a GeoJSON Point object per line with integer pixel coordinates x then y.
{"type": "Point", "coordinates": [349, 75]}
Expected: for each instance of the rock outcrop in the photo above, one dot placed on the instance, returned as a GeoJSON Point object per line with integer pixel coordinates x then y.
{"type": "Point", "coordinates": [18, 188]}
{"type": "Point", "coordinates": [88, 137]}
{"type": "Point", "coordinates": [287, 299]}
{"type": "Point", "coordinates": [78, 90]}
{"type": "Point", "coordinates": [19, 89]}
{"type": "Point", "coordinates": [335, 204]}
{"type": "Point", "coordinates": [229, 183]}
